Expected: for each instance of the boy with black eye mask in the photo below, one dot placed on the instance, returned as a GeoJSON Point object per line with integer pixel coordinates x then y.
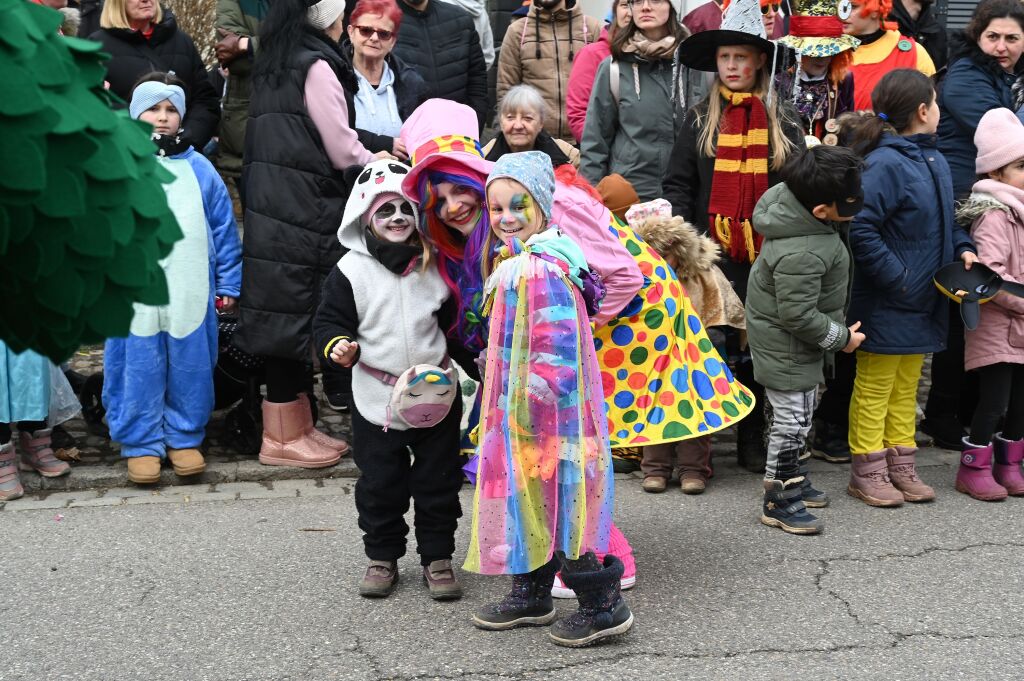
{"type": "Point", "coordinates": [796, 311]}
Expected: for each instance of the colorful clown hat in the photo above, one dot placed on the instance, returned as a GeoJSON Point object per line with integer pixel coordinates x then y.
{"type": "Point", "coordinates": [741, 25]}
{"type": "Point", "coordinates": [442, 134]}
{"type": "Point", "coordinates": [816, 28]}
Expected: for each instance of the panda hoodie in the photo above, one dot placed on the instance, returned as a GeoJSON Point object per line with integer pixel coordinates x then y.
{"type": "Point", "coordinates": [380, 296]}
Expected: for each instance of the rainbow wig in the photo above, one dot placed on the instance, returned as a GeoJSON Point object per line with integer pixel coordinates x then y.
{"type": "Point", "coordinates": [461, 260]}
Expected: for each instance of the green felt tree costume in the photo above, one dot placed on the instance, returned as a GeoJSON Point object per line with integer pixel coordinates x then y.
{"type": "Point", "coordinates": [83, 215]}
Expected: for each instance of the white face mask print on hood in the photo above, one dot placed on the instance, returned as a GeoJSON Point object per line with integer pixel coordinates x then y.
{"type": "Point", "coordinates": [379, 177]}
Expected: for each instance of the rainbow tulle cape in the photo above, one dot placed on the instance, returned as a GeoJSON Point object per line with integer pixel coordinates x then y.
{"type": "Point", "coordinates": [545, 480]}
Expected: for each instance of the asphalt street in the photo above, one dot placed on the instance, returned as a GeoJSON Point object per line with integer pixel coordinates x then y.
{"type": "Point", "coordinates": [258, 582]}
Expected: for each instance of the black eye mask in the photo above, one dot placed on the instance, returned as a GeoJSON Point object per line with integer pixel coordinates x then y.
{"type": "Point", "coordinates": [850, 206]}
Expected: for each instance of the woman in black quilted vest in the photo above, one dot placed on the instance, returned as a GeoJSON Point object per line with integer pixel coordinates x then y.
{"type": "Point", "coordinates": [299, 141]}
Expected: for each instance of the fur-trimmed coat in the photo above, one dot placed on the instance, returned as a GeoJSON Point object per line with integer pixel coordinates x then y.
{"type": "Point", "coordinates": [694, 256]}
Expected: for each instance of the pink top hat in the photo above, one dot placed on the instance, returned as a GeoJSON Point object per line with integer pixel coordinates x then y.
{"type": "Point", "coordinates": [441, 135]}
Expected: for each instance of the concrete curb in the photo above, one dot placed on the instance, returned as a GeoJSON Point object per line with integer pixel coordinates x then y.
{"type": "Point", "coordinates": [103, 476]}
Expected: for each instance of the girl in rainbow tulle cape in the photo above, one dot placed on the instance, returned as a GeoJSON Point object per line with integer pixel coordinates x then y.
{"type": "Point", "coordinates": [544, 487]}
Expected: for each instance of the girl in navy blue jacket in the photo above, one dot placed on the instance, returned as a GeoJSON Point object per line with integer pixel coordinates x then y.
{"type": "Point", "coordinates": [901, 236]}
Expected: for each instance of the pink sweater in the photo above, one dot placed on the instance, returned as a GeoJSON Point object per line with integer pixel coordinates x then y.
{"type": "Point", "coordinates": [999, 237]}
{"type": "Point", "coordinates": [581, 82]}
{"type": "Point", "coordinates": [325, 102]}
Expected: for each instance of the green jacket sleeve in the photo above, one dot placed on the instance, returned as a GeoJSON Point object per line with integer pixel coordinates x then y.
{"type": "Point", "coordinates": [230, 17]}
{"type": "Point", "coordinates": [797, 287]}
{"type": "Point", "coordinates": [599, 129]}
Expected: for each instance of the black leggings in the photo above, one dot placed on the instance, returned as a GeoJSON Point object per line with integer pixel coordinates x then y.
{"type": "Point", "coordinates": [23, 426]}
{"type": "Point", "coordinates": [1002, 394]}
{"type": "Point", "coordinates": [286, 378]}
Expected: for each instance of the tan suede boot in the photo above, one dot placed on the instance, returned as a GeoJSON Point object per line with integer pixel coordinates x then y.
{"type": "Point", "coordinates": [186, 461]}
{"type": "Point", "coordinates": [903, 474]}
{"type": "Point", "coordinates": [869, 480]}
{"type": "Point", "coordinates": [144, 470]}
{"type": "Point", "coordinates": [288, 440]}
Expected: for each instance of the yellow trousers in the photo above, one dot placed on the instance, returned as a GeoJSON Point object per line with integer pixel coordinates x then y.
{"type": "Point", "coordinates": [883, 410]}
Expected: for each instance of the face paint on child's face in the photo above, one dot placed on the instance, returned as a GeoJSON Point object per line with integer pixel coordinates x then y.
{"type": "Point", "coordinates": [458, 207]}
{"type": "Point", "coordinates": [394, 222]}
{"type": "Point", "coordinates": [738, 65]}
{"type": "Point", "coordinates": [513, 212]}
{"type": "Point", "coordinates": [164, 118]}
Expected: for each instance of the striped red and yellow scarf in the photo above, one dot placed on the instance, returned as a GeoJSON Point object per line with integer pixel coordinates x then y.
{"type": "Point", "coordinates": [740, 176]}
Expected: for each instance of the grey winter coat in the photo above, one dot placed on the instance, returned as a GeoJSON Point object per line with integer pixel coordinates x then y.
{"type": "Point", "coordinates": [634, 136]}
{"type": "Point", "coordinates": [797, 293]}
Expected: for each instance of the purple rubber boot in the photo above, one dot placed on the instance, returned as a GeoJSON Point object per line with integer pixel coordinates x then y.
{"type": "Point", "coordinates": [1006, 471]}
{"type": "Point", "coordinates": [974, 476]}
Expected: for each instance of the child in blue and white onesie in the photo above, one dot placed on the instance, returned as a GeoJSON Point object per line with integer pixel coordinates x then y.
{"type": "Point", "coordinates": [158, 382]}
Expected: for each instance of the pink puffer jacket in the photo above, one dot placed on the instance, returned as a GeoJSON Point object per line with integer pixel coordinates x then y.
{"type": "Point", "coordinates": [998, 233]}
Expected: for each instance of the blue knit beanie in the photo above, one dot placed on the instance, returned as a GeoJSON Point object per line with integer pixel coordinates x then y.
{"type": "Point", "coordinates": [533, 170]}
{"type": "Point", "coordinates": [152, 92]}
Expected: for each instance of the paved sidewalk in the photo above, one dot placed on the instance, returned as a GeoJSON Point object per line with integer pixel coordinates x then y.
{"type": "Point", "coordinates": [206, 583]}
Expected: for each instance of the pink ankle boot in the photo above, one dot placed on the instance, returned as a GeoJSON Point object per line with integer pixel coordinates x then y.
{"type": "Point", "coordinates": [10, 483]}
{"type": "Point", "coordinates": [869, 480]}
{"type": "Point", "coordinates": [1006, 471]}
{"type": "Point", "coordinates": [903, 474]}
{"type": "Point", "coordinates": [37, 455]}
{"type": "Point", "coordinates": [974, 476]}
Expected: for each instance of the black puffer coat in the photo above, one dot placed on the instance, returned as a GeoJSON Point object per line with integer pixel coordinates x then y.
{"type": "Point", "coordinates": [410, 92]}
{"type": "Point", "coordinates": [166, 49]}
{"type": "Point", "coordinates": [442, 45]}
{"type": "Point", "coordinates": [294, 202]}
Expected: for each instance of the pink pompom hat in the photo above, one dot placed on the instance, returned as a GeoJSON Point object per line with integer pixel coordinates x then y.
{"type": "Point", "coordinates": [442, 135]}
{"type": "Point", "coordinates": [999, 138]}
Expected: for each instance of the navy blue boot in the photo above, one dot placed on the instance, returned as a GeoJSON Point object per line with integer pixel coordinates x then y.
{"type": "Point", "coordinates": [602, 612]}
{"type": "Point", "coordinates": [813, 498]}
{"type": "Point", "coordinates": [783, 507]}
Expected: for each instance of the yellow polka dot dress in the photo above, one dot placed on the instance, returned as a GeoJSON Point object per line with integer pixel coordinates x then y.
{"type": "Point", "coordinates": [663, 380]}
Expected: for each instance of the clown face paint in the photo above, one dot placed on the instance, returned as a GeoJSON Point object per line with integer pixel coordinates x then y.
{"type": "Point", "coordinates": [458, 207]}
{"type": "Point", "coordinates": [394, 221]}
{"type": "Point", "coordinates": [514, 213]}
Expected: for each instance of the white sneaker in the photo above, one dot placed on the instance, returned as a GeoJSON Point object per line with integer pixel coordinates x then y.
{"type": "Point", "coordinates": [560, 590]}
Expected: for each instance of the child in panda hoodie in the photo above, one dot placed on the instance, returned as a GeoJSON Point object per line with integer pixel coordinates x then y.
{"type": "Point", "coordinates": [382, 312]}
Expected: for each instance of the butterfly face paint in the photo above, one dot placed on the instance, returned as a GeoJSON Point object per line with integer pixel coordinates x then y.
{"type": "Point", "coordinates": [394, 221]}
{"type": "Point", "coordinates": [513, 212]}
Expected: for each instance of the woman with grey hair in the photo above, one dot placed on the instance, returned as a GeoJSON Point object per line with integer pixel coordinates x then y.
{"type": "Point", "coordinates": [521, 114]}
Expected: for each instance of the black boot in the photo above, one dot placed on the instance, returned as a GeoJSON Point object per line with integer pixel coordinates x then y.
{"type": "Point", "coordinates": [602, 611]}
{"type": "Point", "coordinates": [751, 449]}
{"type": "Point", "coordinates": [830, 443]}
{"type": "Point", "coordinates": [813, 498]}
{"type": "Point", "coordinates": [529, 602]}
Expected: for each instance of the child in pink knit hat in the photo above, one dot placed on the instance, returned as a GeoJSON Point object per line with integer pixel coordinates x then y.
{"type": "Point", "coordinates": [995, 349]}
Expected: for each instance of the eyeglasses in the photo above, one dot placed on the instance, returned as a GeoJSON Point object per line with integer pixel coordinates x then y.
{"type": "Point", "coordinates": [653, 4]}
{"type": "Point", "coordinates": [368, 31]}
{"type": "Point", "coordinates": [771, 8]}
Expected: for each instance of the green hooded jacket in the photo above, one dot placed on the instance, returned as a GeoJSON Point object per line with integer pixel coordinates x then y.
{"type": "Point", "coordinates": [797, 295]}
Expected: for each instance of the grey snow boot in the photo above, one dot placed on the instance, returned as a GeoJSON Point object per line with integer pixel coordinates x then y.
{"type": "Point", "coordinates": [602, 611]}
